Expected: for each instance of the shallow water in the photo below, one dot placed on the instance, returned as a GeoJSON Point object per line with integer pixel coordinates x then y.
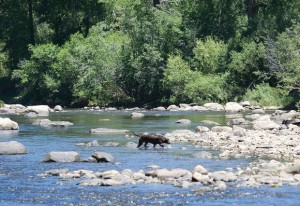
{"type": "Point", "coordinates": [21, 185]}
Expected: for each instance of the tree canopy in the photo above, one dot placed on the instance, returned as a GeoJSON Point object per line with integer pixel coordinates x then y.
{"type": "Point", "coordinates": [118, 52]}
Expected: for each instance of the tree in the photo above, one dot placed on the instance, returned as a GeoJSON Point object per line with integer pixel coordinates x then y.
{"type": "Point", "coordinates": [154, 34]}
{"type": "Point", "coordinates": [38, 74]}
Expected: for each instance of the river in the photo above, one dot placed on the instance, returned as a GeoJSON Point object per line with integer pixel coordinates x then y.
{"type": "Point", "coordinates": [21, 184]}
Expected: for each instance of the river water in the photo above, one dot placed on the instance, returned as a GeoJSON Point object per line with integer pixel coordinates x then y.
{"type": "Point", "coordinates": [20, 183]}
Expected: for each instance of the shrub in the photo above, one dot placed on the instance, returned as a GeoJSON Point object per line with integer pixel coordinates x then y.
{"type": "Point", "coordinates": [206, 88]}
{"type": "Point", "coordinates": [264, 95]}
{"type": "Point", "coordinates": [209, 55]}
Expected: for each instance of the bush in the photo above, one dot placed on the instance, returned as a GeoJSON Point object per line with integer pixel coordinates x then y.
{"type": "Point", "coordinates": [176, 76]}
{"type": "Point", "coordinates": [264, 95]}
{"type": "Point", "coordinates": [206, 88]}
{"type": "Point", "coordinates": [210, 55]}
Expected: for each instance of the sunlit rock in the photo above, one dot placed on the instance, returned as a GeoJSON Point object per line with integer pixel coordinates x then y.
{"type": "Point", "coordinates": [12, 148]}
{"type": "Point", "coordinates": [69, 156]}
{"type": "Point", "coordinates": [8, 124]}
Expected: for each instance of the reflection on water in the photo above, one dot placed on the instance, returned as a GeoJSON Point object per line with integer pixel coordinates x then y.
{"type": "Point", "coordinates": [21, 185]}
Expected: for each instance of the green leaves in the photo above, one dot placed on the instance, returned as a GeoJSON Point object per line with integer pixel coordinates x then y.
{"type": "Point", "coordinates": [209, 54]}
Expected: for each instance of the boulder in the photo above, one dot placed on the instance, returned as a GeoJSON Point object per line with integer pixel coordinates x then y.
{"type": "Point", "coordinates": [221, 129]}
{"type": "Point", "coordinates": [111, 109]}
{"type": "Point", "coordinates": [209, 123]}
{"type": "Point", "coordinates": [31, 115]}
{"type": "Point", "coordinates": [58, 108]}
{"type": "Point", "coordinates": [105, 131]}
{"type": "Point", "coordinates": [198, 108]}
{"type": "Point", "coordinates": [233, 107]}
{"type": "Point", "coordinates": [69, 156]}
{"type": "Point", "coordinates": [294, 168]}
{"type": "Point", "coordinates": [8, 124]}
{"type": "Point", "coordinates": [214, 106]}
{"type": "Point", "coordinates": [183, 121]}
{"type": "Point", "coordinates": [180, 135]}
{"type": "Point", "coordinates": [160, 109]}
{"type": "Point", "coordinates": [204, 179]}
{"type": "Point", "coordinates": [12, 148]}
{"type": "Point", "coordinates": [201, 129]}
{"type": "Point", "coordinates": [173, 108]}
{"type": "Point", "coordinates": [245, 104]}
{"type": "Point", "coordinates": [184, 107]}
{"type": "Point", "coordinates": [223, 176]}
{"type": "Point", "coordinates": [258, 111]}
{"type": "Point", "coordinates": [40, 110]}
{"type": "Point", "coordinates": [200, 169]}
{"type": "Point", "coordinates": [238, 121]}
{"type": "Point", "coordinates": [48, 123]}
{"type": "Point", "coordinates": [137, 115]}
{"type": "Point", "coordinates": [173, 174]}
{"type": "Point", "coordinates": [103, 157]}
{"type": "Point", "coordinates": [93, 143]}
{"type": "Point", "coordinates": [264, 123]}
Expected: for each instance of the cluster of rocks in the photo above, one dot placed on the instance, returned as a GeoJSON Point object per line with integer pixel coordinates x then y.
{"type": "Point", "coordinates": [72, 156]}
{"type": "Point", "coordinates": [260, 172]}
{"type": "Point", "coordinates": [95, 143]}
{"type": "Point", "coordinates": [268, 138]}
{"type": "Point", "coordinates": [29, 111]}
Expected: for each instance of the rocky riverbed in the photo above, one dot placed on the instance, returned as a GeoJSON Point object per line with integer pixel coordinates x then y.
{"type": "Point", "coordinates": [269, 140]}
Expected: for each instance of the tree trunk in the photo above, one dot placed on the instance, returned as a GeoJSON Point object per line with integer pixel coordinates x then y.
{"type": "Point", "coordinates": [31, 26]}
{"type": "Point", "coordinates": [251, 8]}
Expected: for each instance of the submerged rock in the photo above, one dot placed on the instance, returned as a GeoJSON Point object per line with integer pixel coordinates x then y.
{"type": "Point", "coordinates": [48, 123]}
{"type": "Point", "coordinates": [210, 123]}
{"type": "Point", "coordinates": [137, 115]}
{"type": "Point", "coordinates": [183, 121]}
{"type": "Point", "coordinates": [108, 131]}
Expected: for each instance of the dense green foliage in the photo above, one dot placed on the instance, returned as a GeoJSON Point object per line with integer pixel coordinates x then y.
{"type": "Point", "coordinates": [105, 52]}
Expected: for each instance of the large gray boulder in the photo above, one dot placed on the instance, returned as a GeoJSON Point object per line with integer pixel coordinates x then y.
{"type": "Point", "coordinates": [58, 108]}
{"type": "Point", "coordinates": [137, 115]}
{"type": "Point", "coordinates": [41, 110]}
{"type": "Point", "coordinates": [264, 123]}
{"type": "Point", "coordinates": [69, 156]}
{"type": "Point", "coordinates": [8, 124]}
{"type": "Point", "coordinates": [214, 106]}
{"type": "Point", "coordinates": [12, 148]}
{"type": "Point", "coordinates": [173, 108]}
{"type": "Point", "coordinates": [233, 107]}
{"type": "Point", "coordinates": [103, 157]}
